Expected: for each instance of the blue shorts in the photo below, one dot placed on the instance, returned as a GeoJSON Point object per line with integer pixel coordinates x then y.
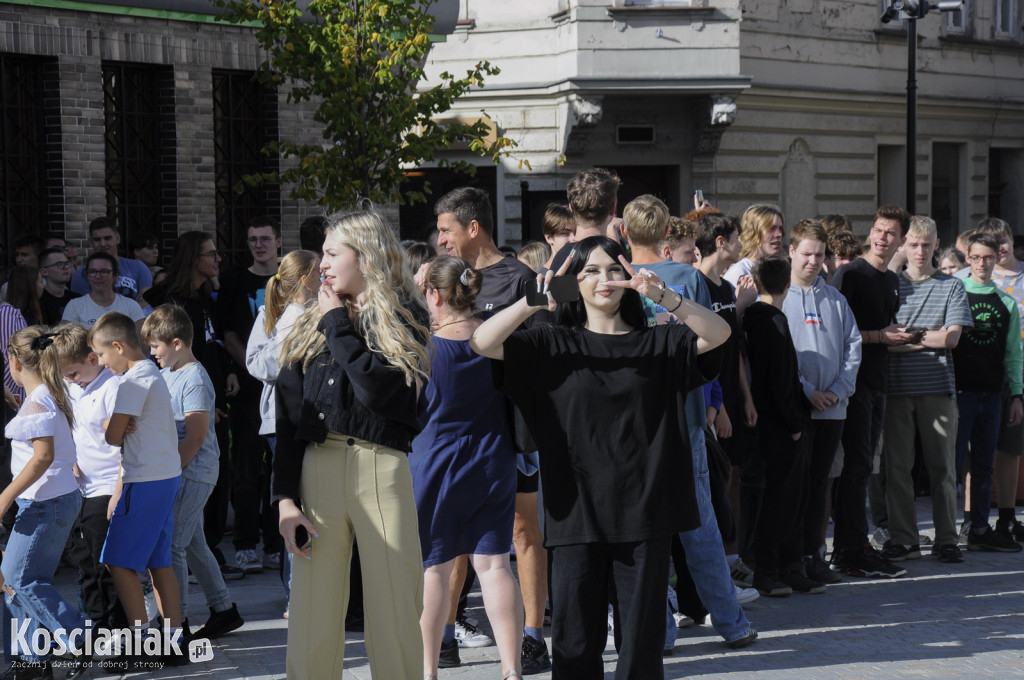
{"type": "Point", "coordinates": [141, 528]}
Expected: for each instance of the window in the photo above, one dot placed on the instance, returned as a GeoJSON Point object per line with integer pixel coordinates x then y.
{"type": "Point", "coordinates": [1007, 24]}
{"type": "Point", "coordinates": [30, 169]}
{"type": "Point", "coordinates": [892, 174]}
{"type": "Point", "coordinates": [959, 22]}
{"type": "Point", "coordinates": [948, 204]}
{"type": "Point", "coordinates": [138, 103]}
{"type": "Point", "coordinates": [244, 122]}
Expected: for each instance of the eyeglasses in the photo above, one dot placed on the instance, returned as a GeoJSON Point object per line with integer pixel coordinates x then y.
{"type": "Point", "coordinates": [210, 253]}
{"type": "Point", "coordinates": [975, 259]}
{"type": "Point", "coordinates": [265, 240]}
{"type": "Point", "coordinates": [66, 264]}
{"type": "Point", "coordinates": [98, 273]}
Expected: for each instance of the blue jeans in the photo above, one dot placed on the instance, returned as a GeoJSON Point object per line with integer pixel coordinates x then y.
{"type": "Point", "coordinates": [33, 552]}
{"type": "Point", "coordinates": [979, 425]}
{"type": "Point", "coordinates": [705, 554]}
{"type": "Point", "coordinates": [189, 548]}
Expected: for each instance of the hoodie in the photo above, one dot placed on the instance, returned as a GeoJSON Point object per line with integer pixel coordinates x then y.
{"type": "Point", "coordinates": [827, 343]}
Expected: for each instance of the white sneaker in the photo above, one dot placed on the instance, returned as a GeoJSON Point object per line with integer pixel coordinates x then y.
{"type": "Point", "coordinates": [879, 537]}
{"type": "Point", "coordinates": [467, 635]}
{"type": "Point", "coordinates": [248, 561]}
{"type": "Point", "coordinates": [682, 620]}
{"type": "Point", "coordinates": [745, 595]}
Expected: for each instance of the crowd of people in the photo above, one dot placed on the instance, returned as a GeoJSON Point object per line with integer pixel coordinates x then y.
{"type": "Point", "coordinates": [390, 420]}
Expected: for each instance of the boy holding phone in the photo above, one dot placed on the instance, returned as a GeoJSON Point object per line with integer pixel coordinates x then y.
{"type": "Point", "coordinates": [922, 394]}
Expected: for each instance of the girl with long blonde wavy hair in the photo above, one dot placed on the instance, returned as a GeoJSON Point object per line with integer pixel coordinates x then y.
{"type": "Point", "coordinates": [346, 413]}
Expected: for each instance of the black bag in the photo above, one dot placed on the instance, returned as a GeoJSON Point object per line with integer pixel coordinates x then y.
{"type": "Point", "coordinates": [719, 468]}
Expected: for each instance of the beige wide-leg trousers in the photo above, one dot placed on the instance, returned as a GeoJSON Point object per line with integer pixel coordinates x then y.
{"type": "Point", "coordinates": [351, 487]}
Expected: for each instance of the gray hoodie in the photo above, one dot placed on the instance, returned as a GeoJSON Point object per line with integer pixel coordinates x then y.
{"type": "Point", "coordinates": [827, 343]}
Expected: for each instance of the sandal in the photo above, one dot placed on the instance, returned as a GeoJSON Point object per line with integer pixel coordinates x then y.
{"type": "Point", "coordinates": [512, 675]}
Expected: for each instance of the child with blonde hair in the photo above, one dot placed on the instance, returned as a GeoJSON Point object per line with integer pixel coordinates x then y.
{"type": "Point", "coordinates": [46, 492]}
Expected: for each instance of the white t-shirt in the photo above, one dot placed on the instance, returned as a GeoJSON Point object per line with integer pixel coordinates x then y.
{"type": "Point", "coordinates": [98, 461]}
{"type": "Point", "coordinates": [85, 311]}
{"type": "Point", "coordinates": [733, 274]}
{"type": "Point", "coordinates": [151, 452]}
{"type": "Point", "coordinates": [40, 417]}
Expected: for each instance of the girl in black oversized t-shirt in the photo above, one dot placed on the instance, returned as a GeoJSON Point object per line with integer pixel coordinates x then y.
{"type": "Point", "coordinates": [603, 395]}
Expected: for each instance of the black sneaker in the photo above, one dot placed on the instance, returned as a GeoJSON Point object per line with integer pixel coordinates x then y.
{"type": "Point", "coordinates": [770, 586]}
{"type": "Point", "coordinates": [801, 584]}
{"type": "Point", "coordinates": [1012, 530]}
{"type": "Point", "coordinates": [819, 570]}
{"type": "Point", "coordinates": [220, 623]}
{"type": "Point", "coordinates": [991, 541]}
{"type": "Point", "coordinates": [449, 655]}
{"type": "Point", "coordinates": [230, 572]}
{"type": "Point", "coordinates": [949, 552]}
{"type": "Point", "coordinates": [898, 553]}
{"type": "Point", "coordinates": [535, 657]}
{"type": "Point", "coordinates": [865, 562]}
{"type": "Point", "coordinates": [745, 641]}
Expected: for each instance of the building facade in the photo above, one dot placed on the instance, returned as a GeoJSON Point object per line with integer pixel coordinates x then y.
{"type": "Point", "coordinates": [795, 102]}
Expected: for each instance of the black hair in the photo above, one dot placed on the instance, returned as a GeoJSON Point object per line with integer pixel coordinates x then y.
{"type": "Point", "coordinates": [312, 233]}
{"type": "Point", "coordinates": [467, 204]}
{"type": "Point", "coordinates": [771, 275]}
{"type": "Point", "coordinates": [574, 314]}
{"type": "Point", "coordinates": [712, 225]}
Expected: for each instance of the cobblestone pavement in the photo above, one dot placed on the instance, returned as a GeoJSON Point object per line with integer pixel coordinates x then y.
{"type": "Point", "coordinates": [940, 621]}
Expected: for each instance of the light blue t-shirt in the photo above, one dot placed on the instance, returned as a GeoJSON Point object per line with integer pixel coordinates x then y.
{"type": "Point", "coordinates": [687, 281]}
{"type": "Point", "coordinates": [133, 277]}
{"type": "Point", "coordinates": [191, 391]}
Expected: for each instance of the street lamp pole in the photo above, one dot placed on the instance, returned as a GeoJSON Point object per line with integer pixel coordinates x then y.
{"type": "Point", "coordinates": [912, 10]}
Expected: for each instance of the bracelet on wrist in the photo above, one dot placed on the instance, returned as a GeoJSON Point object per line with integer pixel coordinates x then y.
{"type": "Point", "coordinates": [662, 297]}
{"type": "Point", "coordinates": [678, 304]}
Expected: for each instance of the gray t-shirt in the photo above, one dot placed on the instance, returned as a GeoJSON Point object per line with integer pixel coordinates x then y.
{"type": "Point", "coordinates": [192, 391]}
{"type": "Point", "coordinates": [150, 453]}
{"type": "Point", "coordinates": [936, 302]}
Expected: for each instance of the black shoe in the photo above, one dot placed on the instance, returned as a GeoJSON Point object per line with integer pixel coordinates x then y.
{"type": "Point", "coordinates": [770, 586]}
{"type": "Point", "coordinates": [801, 584]}
{"type": "Point", "coordinates": [449, 655]}
{"type": "Point", "coordinates": [535, 658]}
{"type": "Point", "coordinates": [898, 553]}
{"type": "Point", "coordinates": [1013, 530]}
{"type": "Point", "coordinates": [220, 623]}
{"type": "Point", "coordinates": [745, 641]}
{"type": "Point", "coordinates": [865, 562]}
{"type": "Point", "coordinates": [819, 570]}
{"type": "Point", "coordinates": [230, 572]}
{"type": "Point", "coordinates": [949, 552]}
{"type": "Point", "coordinates": [992, 541]}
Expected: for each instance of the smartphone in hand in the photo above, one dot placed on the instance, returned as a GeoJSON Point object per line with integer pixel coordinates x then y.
{"type": "Point", "coordinates": [562, 288]}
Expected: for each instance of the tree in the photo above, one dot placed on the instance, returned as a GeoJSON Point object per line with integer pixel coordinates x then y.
{"type": "Point", "coordinates": [360, 61]}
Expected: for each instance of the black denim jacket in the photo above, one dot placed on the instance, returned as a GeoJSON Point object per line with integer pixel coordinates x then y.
{"type": "Point", "coordinates": [348, 390]}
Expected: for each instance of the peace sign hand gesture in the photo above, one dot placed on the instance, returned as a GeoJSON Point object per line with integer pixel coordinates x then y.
{"type": "Point", "coordinates": [644, 282]}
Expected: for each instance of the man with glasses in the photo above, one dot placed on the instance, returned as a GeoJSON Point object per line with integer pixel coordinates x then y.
{"type": "Point", "coordinates": [987, 360]}
{"type": "Point", "coordinates": [56, 269]}
{"type": "Point", "coordinates": [101, 271]}
{"type": "Point", "coordinates": [239, 300]}
{"type": "Point", "coordinates": [133, 277]}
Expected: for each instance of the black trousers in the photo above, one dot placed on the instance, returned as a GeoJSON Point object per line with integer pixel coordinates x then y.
{"type": "Point", "coordinates": [823, 437]}
{"type": "Point", "coordinates": [865, 416]}
{"type": "Point", "coordinates": [255, 517]}
{"type": "Point", "coordinates": [580, 575]}
{"type": "Point", "coordinates": [778, 540]}
{"type": "Point", "coordinates": [96, 586]}
{"type": "Point", "coordinates": [215, 514]}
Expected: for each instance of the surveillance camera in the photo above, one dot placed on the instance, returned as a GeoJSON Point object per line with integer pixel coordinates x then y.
{"type": "Point", "coordinates": [950, 5]}
{"type": "Point", "coordinates": [890, 14]}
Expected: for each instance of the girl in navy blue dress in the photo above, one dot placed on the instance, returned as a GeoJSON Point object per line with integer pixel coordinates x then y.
{"type": "Point", "coordinates": [464, 472]}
